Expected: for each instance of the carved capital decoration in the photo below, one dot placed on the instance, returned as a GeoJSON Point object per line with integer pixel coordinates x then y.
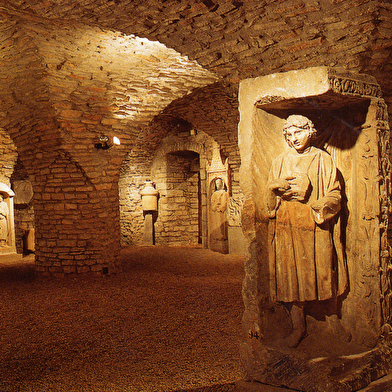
{"type": "Point", "coordinates": [343, 85]}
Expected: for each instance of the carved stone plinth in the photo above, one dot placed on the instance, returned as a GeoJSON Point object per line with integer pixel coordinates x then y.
{"type": "Point", "coordinates": [347, 344]}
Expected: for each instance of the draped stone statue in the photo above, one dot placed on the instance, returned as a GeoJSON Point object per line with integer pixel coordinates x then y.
{"type": "Point", "coordinates": [304, 199]}
{"type": "Point", "coordinates": [4, 217]}
{"type": "Point", "coordinates": [317, 288]}
{"type": "Point", "coordinates": [218, 216]}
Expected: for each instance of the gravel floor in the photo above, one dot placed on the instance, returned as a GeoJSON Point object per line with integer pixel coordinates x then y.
{"type": "Point", "coordinates": [170, 322]}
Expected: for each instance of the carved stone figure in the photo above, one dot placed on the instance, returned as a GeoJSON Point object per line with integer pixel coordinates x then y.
{"type": "Point", "coordinates": [218, 224]}
{"type": "Point", "coordinates": [304, 199]}
{"type": "Point", "coordinates": [348, 341]}
{"type": "Point", "coordinates": [4, 216]}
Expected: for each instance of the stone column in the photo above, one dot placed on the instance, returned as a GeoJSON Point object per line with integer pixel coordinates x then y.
{"type": "Point", "coordinates": [76, 215]}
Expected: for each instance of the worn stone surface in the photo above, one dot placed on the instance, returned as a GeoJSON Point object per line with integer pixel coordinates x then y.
{"type": "Point", "coordinates": [248, 386]}
{"type": "Point", "coordinates": [355, 333]}
{"type": "Point", "coordinates": [384, 384]}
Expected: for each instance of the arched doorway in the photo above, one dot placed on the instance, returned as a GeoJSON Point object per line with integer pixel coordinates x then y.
{"type": "Point", "coordinates": [179, 172]}
{"type": "Point", "coordinates": [180, 207]}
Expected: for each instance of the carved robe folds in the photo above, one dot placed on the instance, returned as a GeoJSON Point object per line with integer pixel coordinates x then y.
{"type": "Point", "coordinates": [306, 256]}
{"type": "Point", "coordinates": [218, 224]}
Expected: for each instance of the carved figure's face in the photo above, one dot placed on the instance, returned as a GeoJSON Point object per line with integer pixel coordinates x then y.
{"type": "Point", "coordinates": [219, 184]}
{"type": "Point", "coordinates": [298, 138]}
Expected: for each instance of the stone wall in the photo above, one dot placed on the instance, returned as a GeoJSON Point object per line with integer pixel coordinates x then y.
{"type": "Point", "coordinates": [61, 89]}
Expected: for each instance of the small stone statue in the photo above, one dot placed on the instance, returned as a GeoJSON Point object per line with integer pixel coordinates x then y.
{"type": "Point", "coordinates": [218, 224]}
{"type": "Point", "coordinates": [304, 199]}
{"type": "Point", "coordinates": [4, 216]}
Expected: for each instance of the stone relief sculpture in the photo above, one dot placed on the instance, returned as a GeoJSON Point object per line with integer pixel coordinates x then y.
{"type": "Point", "coordinates": [218, 216]}
{"type": "Point", "coordinates": [306, 255]}
{"type": "Point", "coordinates": [7, 226]}
{"type": "Point", "coordinates": [24, 214]}
{"type": "Point", "coordinates": [4, 218]}
{"type": "Point", "coordinates": [236, 239]}
{"type": "Point", "coordinates": [341, 229]}
{"type": "Point", "coordinates": [235, 206]}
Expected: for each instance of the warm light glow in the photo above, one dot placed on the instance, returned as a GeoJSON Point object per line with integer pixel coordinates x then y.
{"type": "Point", "coordinates": [116, 140]}
{"type": "Point", "coordinates": [156, 75]}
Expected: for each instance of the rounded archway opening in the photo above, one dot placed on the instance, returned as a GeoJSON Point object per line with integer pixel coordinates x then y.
{"type": "Point", "coordinates": [180, 206]}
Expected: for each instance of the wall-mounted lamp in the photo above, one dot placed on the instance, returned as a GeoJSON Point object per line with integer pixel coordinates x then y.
{"type": "Point", "coordinates": [103, 143]}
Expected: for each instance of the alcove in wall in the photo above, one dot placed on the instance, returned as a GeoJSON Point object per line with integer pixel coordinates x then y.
{"type": "Point", "coordinates": [179, 172]}
{"type": "Point", "coordinates": [180, 209]}
{"type": "Point", "coordinates": [350, 117]}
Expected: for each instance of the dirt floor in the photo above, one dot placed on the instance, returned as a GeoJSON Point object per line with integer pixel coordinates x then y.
{"type": "Point", "coordinates": [170, 322]}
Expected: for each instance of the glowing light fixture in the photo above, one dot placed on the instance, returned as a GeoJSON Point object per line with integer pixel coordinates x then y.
{"type": "Point", "coordinates": [103, 143]}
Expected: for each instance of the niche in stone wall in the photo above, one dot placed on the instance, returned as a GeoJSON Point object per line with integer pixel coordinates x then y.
{"type": "Point", "coordinates": [180, 209]}
{"type": "Point", "coordinates": [342, 131]}
{"type": "Point", "coordinates": [179, 172]}
{"type": "Point", "coordinates": [219, 191]}
{"type": "Point", "coordinates": [343, 332]}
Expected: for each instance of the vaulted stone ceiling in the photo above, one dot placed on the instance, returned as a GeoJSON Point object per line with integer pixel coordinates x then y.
{"type": "Point", "coordinates": [240, 39]}
{"type": "Point", "coordinates": [231, 39]}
